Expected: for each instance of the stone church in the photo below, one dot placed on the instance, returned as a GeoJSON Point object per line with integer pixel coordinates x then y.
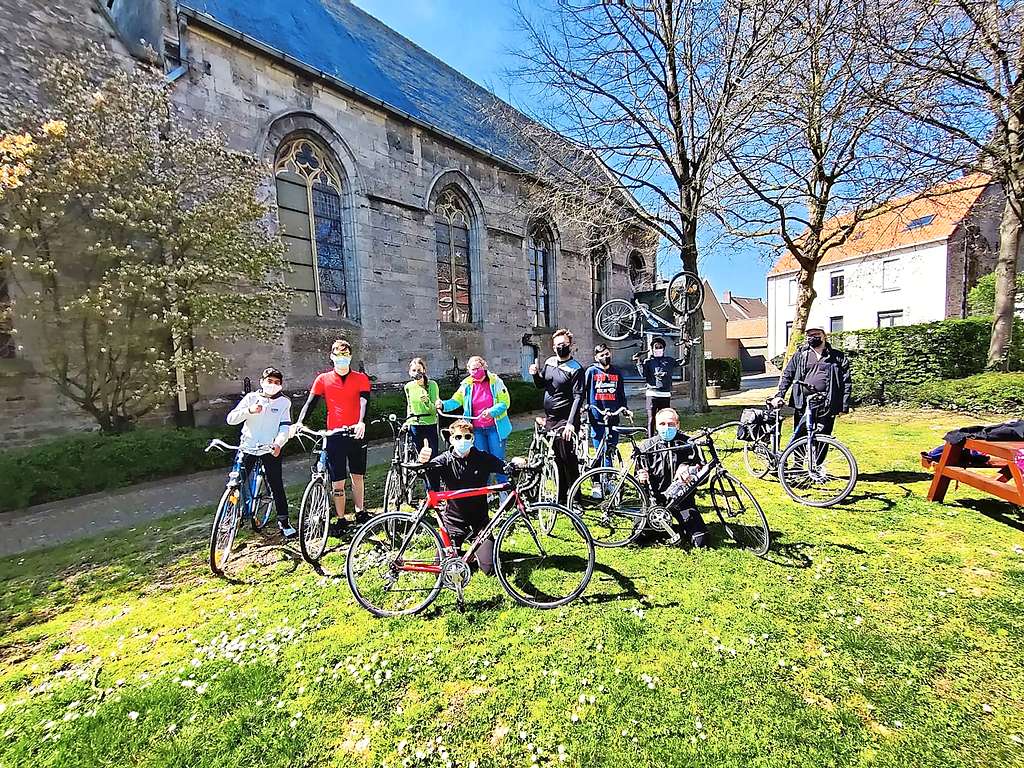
{"type": "Point", "coordinates": [397, 197]}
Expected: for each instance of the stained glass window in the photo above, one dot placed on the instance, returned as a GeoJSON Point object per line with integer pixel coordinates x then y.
{"type": "Point", "coordinates": [451, 229]}
{"type": "Point", "coordinates": [312, 225]}
{"type": "Point", "coordinates": [539, 273]}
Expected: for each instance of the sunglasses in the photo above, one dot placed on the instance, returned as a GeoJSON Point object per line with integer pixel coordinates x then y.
{"type": "Point", "coordinates": [462, 437]}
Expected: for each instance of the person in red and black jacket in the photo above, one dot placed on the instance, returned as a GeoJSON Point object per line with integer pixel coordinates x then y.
{"type": "Point", "coordinates": [606, 391]}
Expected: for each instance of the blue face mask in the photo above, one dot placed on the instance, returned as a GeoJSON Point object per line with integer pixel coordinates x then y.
{"type": "Point", "coordinates": [668, 433]}
{"type": "Point", "coordinates": [461, 447]}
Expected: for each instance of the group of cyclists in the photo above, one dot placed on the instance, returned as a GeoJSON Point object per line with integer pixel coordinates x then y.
{"type": "Point", "coordinates": [477, 439]}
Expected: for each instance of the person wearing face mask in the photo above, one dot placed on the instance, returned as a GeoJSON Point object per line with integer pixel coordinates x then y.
{"type": "Point", "coordinates": [822, 369]}
{"type": "Point", "coordinates": [347, 394]}
{"type": "Point", "coordinates": [421, 393]}
{"type": "Point", "coordinates": [265, 417]}
{"type": "Point", "coordinates": [606, 391]}
{"type": "Point", "coordinates": [462, 467]}
{"type": "Point", "coordinates": [561, 378]}
{"type": "Point", "coordinates": [657, 371]}
{"type": "Point", "coordinates": [666, 464]}
{"type": "Point", "coordinates": [483, 400]}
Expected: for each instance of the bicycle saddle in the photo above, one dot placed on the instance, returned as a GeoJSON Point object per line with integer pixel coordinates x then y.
{"type": "Point", "coordinates": [628, 430]}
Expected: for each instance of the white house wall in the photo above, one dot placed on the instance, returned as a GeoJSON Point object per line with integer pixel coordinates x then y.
{"type": "Point", "coordinates": [920, 291]}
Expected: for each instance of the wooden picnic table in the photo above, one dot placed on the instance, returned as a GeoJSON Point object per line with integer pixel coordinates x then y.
{"type": "Point", "coordinates": [1007, 483]}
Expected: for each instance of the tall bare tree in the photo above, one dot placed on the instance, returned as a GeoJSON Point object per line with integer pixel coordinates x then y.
{"type": "Point", "coordinates": [651, 92]}
{"type": "Point", "coordinates": [969, 53]}
{"type": "Point", "coordinates": [826, 150]}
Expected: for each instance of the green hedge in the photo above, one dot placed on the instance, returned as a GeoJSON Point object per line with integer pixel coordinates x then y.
{"type": "Point", "coordinates": [725, 370]}
{"type": "Point", "coordinates": [986, 393]}
{"type": "Point", "coordinates": [86, 463]}
{"type": "Point", "coordinates": [888, 362]}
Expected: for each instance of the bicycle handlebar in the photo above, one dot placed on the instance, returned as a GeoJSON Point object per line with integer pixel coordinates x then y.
{"type": "Point", "coordinates": [302, 429]}
{"type": "Point", "coordinates": [222, 446]}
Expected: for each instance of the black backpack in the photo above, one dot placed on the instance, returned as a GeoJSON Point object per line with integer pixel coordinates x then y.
{"type": "Point", "coordinates": [754, 424]}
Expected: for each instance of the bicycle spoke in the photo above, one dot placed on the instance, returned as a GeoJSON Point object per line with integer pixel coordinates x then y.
{"type": "Point", "coordinates": [611, 504]}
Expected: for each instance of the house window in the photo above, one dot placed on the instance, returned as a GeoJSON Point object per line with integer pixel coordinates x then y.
{"type": "Point", "coordinates": [539, 274]}
{"type": "Point", "coordinates": [707, 325]}
{"type": "Point", "coordinates": [792, 291]}
{"type": "Point", "coordinates": [890, 319]}
{"type": "Point", "coordinates": [599, 278]}
{"type": "Point", "coordinates": [311, 213]}
{"type": "Point", "coordinates": [890, 275]}
{"type": "Point", "coordinates": [837, 285]}
{"type": "Point", "coordinates": [923, 221]}
{"type": "Point", "coordinates": [835, 324]}
{"type": "Point", "coordinates": [789, 331]}
{"type": "Point", "coordinates": [637, 272]}
{"type": "Point", "coordinates": [451, 231]}
{"type": "Point", "coordinates": [7, 346]}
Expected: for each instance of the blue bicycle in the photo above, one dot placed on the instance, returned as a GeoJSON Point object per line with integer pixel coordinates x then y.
{"type": "Point", "coordinates": [246, 497]}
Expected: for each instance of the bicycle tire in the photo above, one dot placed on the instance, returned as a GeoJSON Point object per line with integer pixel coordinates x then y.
{"type": "Point", "coordinates": [792, 481]}
{"type": "Point", "coordinates": [225, 521]}
{"type": "Point", "coordinates": [262, 504]}
{"type": "Point", "coordinates": [602, 512]}
{"type": "Point", "coordinates": [314, 520]}
{"type": "Point", "coordinates": [685, 293]}
{"type": "Point", "coordinates": [392, 490]}
{"type": "Point", "coordinates": [757, 459]}
{"type": "Point", "coordinates": [734, 516]}
{"type": "Point", "coordinates": [566, 543]}
{"type": "Point", "coordinates": [547, 483]}
{"type": "Point", "coordinates": [610, 320]}
{"type": "Point", "coordinates": [390, 528]}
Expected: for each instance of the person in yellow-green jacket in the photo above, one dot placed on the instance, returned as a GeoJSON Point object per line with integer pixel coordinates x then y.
{"type": "Point", "coordinates": [421, 394]}
{"type": "Point", "coordinates": [483, 398]}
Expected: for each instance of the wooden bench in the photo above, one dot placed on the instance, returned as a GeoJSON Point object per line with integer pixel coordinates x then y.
{"type": "Point", "coordinates": [1007, 483]}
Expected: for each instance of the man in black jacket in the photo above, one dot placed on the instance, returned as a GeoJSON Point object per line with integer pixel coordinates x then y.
{"type": "Point", "coordinates": [561, 378]}
{"type": "Point", "coordinates": [822, 369]}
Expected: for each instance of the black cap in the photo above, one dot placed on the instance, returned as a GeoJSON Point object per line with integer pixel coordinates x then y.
{"type": "Point", "coordinates": [657, 341]}
{"type": "Point", "coordinates": [271, 371]}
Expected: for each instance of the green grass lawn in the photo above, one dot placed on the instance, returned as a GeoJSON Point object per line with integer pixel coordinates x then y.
{"type": "Point", "coordinates": [888, 632]}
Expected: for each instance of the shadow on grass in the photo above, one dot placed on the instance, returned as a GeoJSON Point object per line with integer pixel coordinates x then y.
{"type": "Point", "coordinates": [995, 509]}
{"type": "Point", "coordinates": [788, 554]}
{"type": "Point", "coordinates": [895, 476]}
{"type": "Point", "coordinates": [603, 574]}
{"type": "Point", "coordinates": [869, 502]}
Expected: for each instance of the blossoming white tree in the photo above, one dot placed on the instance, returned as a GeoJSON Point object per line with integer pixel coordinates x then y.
{"type": "Point", "coordinates": [140, 247]}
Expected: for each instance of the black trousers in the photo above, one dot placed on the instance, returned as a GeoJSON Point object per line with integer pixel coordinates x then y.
{"type": "Point", "coordinates": [461, 529]}
{"type": "Point", "coordinates": [825, 426]}
{"type": "Point", "coordinates": [655, 404]}
{"type": "Point", "coordinates": [568, 465]}
{"type": "Point", "coordinates": [272, 470]}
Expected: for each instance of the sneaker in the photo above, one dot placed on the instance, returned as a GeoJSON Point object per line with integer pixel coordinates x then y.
{"type": "Point", "coordinates": [361, 516]}
{"type": "Point", "coordinates": [700, 541]}
{"type": "Point", "coordinates": [338, 527]}
{"type": "Point", "coordinates": [286, 529]}
{"type": "Point", "coordinates": [597, 493]}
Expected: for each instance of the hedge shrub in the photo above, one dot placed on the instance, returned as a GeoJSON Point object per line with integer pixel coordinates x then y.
{"type": "Point", "coordinates": [985, 393]}
{"type": "Point", "coordinates": [87, 463]}
{"type": "Point", "coordinates": [888, 362]}
{"type": "Point", "coordinates": [725, 370]}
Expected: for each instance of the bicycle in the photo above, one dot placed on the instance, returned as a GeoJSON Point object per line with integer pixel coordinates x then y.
{"type": "Point", "coordinates": [618, 319]}
{"type": "Point", "coordinates": [600, 455]}
{"type": "Point", "coordinates": [244, 498]}
{"type": "Point", "coordinates": [317, 505]}
{"type": "Point", "coordinates": [543, 487]}
{"type": "Point", "coordinates": [621, 508]}
{"type": "Point", "coordinates": [398, 563]}
{"type": "Point", "coordinates": [815, 470]}
{"type": "Point", "coordinates": [400, 486]}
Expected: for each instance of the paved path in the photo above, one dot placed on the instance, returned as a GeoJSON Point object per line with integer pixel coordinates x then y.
{"type": "Point", "coordinates": [55, 523]}
{"type": "Point", "coordinates": [754, 390]}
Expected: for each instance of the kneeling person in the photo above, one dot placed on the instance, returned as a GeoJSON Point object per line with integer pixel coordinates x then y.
{"type": "Point", "coordinates": [667, 467]}
{"type": "Point", "coordinates": [460, 468]}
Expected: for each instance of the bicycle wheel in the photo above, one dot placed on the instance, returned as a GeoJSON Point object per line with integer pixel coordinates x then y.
{"type": "Point", "coordinates": [685, 293]}
{"type": "Point", "coordinates": [547, 484]}
{"type": "Point", "coordinates": [224, 530]}
{"type": "Point", "coordinates": [616, 320]}
{"type": "Point", "coordinates": [262, 503]}
{"type": "Point", "coordinates": [393, 565]}
{"type": "Point", "coordinates": [757, 458]}
{"type": "Point", "coordinates": [314, 520]}
{"type": "Point", "coordinates": [741, 515]}
{"type": "Point", "coordinates": [612, 504]}
{"type": "Point", "coordinates": [825, 480]}
{"type": "Point", "coordinates": [544, 569]}
{"type": "Point", "coordinates": [392, 490]}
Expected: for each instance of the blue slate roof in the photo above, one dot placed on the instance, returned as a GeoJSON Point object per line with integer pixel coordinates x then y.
{"type": "Point", "coordinates": [342, 41]}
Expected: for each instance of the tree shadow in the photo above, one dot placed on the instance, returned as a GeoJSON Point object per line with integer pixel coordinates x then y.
{"type": "Point", "coordinates": [263, 554]}
{"type": "Point", "coordinates": [895, 476]}
{"type": "Point", "coordinates": [995, 509]}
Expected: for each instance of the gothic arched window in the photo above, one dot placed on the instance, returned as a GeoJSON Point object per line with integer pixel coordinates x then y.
{"type": "Point", "coordinates": [309, 201]}
{"type": "Point", "coordinates": [639, 278]}
{"type": "Point", "coordinates": [451, 230]}
{"type": "Point", "coordinates": [539, 249]}
{"type": "Point", "coordinates": [599, 277]}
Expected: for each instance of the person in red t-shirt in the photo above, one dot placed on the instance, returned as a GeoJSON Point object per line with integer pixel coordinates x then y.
{"type": "Point", "coordinates": [346, 393]}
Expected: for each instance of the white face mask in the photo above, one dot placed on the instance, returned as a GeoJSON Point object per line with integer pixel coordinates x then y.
{"type": "Point", "coordinates": [270, 389]}
{"type": "Point", "coordinates": [659, 352]}
{"type": "Point", "coordinates": [341, 362]}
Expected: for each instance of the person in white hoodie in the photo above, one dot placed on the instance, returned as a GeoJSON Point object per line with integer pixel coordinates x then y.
{"type": "Point", "coordinates": [265, 417]}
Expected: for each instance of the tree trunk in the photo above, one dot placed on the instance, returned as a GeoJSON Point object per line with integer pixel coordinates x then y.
{"type": "Point", "coordinates": [1006, 280]}
{"type": "Point", "coordinates": [804, 300]}
{"type": "Point", "coordinates": [695, 327]}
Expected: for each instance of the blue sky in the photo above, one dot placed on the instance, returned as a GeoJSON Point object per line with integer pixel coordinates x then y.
{"type": "Point", "coordinates": [476, 37]}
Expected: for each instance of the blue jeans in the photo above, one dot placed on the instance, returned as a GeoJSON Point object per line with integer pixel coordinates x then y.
{"type": "Point", "coordinates": [597, 433]}
{"type": "Point", "coordinates": [486, 439]}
